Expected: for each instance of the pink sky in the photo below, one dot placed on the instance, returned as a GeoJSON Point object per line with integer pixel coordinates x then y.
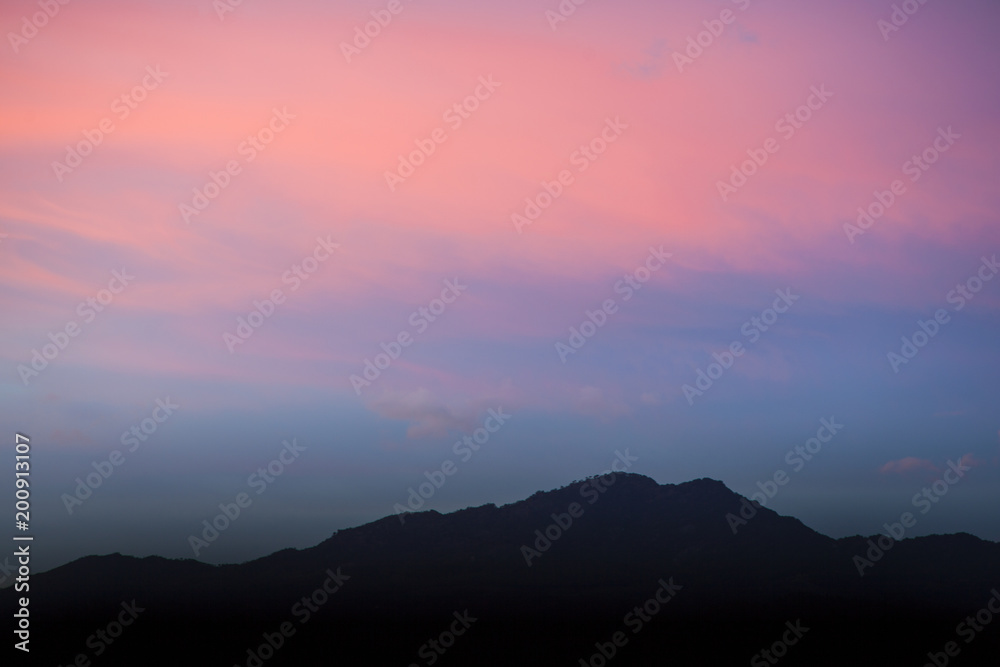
{"type": "Point", "coordinates": [655, 185]}
{"type": "Point", "coordinates": [324, 175]}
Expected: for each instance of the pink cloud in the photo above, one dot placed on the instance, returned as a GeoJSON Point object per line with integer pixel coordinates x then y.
{"type": "Point", "coordinates": [906, 465]}
{"type": "Point", "coordinates": [429, 415]}
{"type": "Point", "coordinates": [971, 461]}
{"type": "Point", "coordinates": [592, 401]}
{"type": "Point", "coordinates": [650, 398]}
{"type": "Point", "coordinates": [910, 464]}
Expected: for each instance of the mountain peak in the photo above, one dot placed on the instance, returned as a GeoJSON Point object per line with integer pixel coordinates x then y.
{"type": "Point", "coordinates": [585, 553]}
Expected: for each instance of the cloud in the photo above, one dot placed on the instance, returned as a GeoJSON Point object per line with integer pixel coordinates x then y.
{"type": "Point", "coordinates": [432, 416]}
{"type": "Point", "coordinates": [911, 464]}
{"type": "Point", "coordinates": [906, 465]}
{"type": "Point", "coordinates": [429, 417]}
{"type": "Point", "coordinates": [652, 65]}
{"type": "Point", "coordinates": [592, 401]}
{"type": "Point", "coordinates": [952, 413]}
{"type": "Point", "coordinates": [649, 398]}
{"type": "Point", "coordinates": [971, 461]}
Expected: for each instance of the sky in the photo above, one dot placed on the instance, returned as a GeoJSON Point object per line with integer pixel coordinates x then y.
{"type": "Point", "coordinates": [699, 232]}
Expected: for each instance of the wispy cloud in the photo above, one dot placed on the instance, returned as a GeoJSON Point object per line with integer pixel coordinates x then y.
{"type": "Point", "coordinates": [907, 465]}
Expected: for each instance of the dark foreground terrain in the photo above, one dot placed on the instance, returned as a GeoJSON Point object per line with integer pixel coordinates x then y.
{"type": "Point", "coordinates": [646, 574]}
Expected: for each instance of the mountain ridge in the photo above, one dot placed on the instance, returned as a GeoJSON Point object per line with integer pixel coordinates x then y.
{"type": "Point", "coordinates": [555, 569]}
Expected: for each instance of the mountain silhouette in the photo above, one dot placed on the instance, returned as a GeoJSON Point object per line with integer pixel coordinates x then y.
{"type": "Point", "coordinates": [616, 570]}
